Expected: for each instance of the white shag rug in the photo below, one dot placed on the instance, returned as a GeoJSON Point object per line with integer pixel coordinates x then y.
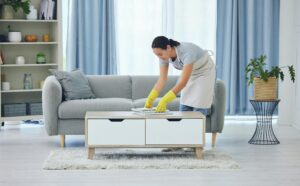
{"type": "Point", "coordinates": [76, 159]}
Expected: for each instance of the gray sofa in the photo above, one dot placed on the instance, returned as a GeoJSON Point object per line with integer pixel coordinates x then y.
{"type": "Point", "coordinates": [115, 93]}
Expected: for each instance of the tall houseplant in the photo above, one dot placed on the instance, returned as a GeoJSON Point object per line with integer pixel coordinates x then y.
{"type": "Point", "coordinates": [265, 81]}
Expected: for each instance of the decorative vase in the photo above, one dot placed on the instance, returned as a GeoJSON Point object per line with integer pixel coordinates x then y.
{"type": "Point", "coordinates": [265, 90]}
{"type": "Point", "coordinates": [7, 12]}
{"type": "Point", "coordinates": [28, 81]}
{"type": "Point", "coordinates": [33, 13]}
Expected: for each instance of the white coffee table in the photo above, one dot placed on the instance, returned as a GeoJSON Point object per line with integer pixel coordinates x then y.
{"type": "Point", "coordinates": [131, 130]}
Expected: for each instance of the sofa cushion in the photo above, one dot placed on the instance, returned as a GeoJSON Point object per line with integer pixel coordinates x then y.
{"type": "Point", "coordinates": [74, 84]}
{"type": "Point", "coordinates": [142, 85]}
{"type": "Point", "coordinates": [109, 86]}
{"type": "Point", "coordinates": [173, 106]}
{"type": "Point", "coordinates": [77, 108]}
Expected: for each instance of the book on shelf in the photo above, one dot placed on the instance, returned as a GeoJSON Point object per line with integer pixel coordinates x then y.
{"type": "Point", "coordinates": [48, 9]}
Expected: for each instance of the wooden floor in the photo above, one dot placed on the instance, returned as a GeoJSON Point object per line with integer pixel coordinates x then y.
{"type": "Point", "coordinates": [23, 148]}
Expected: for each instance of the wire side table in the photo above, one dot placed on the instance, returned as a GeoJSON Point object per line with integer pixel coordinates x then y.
{"type": "Point", "coordinates": [264, 134]}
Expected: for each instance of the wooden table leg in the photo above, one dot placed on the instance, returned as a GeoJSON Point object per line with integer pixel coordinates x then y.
{"type": "Point", "coordinates": [199, 152]}
{"type": "Point", "coordinates": [62, 140]}
{"type": "Point", "coordinates": [91, 153]}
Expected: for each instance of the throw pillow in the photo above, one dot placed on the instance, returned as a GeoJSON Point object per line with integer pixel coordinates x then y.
{"type": "Point", "coordinates": [75, 85]}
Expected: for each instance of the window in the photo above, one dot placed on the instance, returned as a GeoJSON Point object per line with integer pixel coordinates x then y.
{"type": "Point", "coordinates": [139, 21]}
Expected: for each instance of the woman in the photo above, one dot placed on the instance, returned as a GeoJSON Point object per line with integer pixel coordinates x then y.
{"type": "Point", "coordinates": [197, 79]}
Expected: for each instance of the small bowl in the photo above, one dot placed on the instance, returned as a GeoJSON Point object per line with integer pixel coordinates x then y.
{"type": "Point", "coordinates": [31, 38]}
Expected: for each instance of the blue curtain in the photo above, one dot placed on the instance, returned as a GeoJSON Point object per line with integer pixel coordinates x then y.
{"type": "Point", "coordinates": [245, 29]}
{"type": "Point", "coordinates": [91, 42]}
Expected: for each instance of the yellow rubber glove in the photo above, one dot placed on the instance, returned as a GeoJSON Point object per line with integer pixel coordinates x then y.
{"type": "Point", "coordinates": [162, 105]}
{"type": "Point", "coordinates": [151, 97]}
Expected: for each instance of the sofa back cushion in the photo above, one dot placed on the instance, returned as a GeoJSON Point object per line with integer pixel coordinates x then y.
{"type": "Point", "coordinates": [74, 84]}
{"type": "Point", "coordinates": [142, 85]}
{"type": "Point", "coordinates": [110, 86]}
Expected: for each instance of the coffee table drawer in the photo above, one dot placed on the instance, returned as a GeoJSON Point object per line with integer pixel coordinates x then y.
{"type": "Point", "coordinates": [116, 132]}
{"type": "Point", "coordinates": [174, 131]}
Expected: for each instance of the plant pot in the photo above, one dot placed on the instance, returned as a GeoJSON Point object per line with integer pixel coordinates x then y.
{"type": "Point", "coordinates": [7, 12]}
{"type": "Point", "coordinates": [19, 14]}
{"type": "Point", "coordinates": [265, 90]}
{"type": "Point", "coordinates": [14, 36]}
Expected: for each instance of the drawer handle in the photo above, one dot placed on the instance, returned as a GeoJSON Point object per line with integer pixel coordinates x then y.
{"type": "Point", "coordinates": [116, 120]}
{"type": "Point", "coordinates": [174, 119]}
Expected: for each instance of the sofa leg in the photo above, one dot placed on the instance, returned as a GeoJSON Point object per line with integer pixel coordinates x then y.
{"type": "Point", "coordinates": [213, 140]}
{"type": "Point", "coordinates": [62, 140]}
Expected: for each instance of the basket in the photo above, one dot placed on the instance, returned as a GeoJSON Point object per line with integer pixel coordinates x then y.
{"type": "Point", "coordinates": [265, 90]}
{"type": "Point", "coordinates": [13, 109]}
{"type": "Point", "coordinates": [34, 109]}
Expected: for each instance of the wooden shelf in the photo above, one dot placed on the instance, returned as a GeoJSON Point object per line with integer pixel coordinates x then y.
{"type": "Point", "coordinates": [19, 118]}
{"type": "Point", "coordinates": [29, 65]}
{"type": "Point", "coordinates": [28, 21]}
{"type": "Point", "coordinates": [15, 73]}
{"type": "Point", "coordinates": [29, 43]}
{"type": "Point", "coordinates": [21, 90]}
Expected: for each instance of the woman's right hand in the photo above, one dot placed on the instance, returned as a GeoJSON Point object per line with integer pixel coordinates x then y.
{"type": "Point", "coordinates": [151, 97]}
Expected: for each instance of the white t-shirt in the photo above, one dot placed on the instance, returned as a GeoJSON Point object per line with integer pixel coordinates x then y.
{"type": "Point", "coordinates": [187, 53]}
{"type": "Point", "coordinates": [199, 91]}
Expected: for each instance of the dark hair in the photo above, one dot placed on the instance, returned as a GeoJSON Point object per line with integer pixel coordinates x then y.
{"type": "Point", "coordinates": [162, 42]}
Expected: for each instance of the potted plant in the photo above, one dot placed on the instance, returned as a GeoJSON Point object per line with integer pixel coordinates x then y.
{"type": "Point", "coordinates": [9, 7]}
{"type": "Point", "coordinates": [13, 36]}
{"type": "Point", "coordinates": [265, 81]}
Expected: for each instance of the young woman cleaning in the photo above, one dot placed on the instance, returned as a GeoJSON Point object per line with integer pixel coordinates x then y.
{"type": "Point", "coordinates": [197, 78]}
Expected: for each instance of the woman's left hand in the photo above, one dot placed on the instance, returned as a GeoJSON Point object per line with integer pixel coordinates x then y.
{"type": "Point", "coordinates": [162, 105]}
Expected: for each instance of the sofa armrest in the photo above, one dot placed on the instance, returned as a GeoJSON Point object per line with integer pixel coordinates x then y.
{"type": "Point", "coordinates": [218, 107]}
{"type": "Point", "coordinates": [51, 99]}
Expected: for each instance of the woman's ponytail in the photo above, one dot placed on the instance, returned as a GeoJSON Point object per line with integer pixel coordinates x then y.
{"type": "Point", "coordinates": [173, 43]}
{"type": "Point", "coordinates": [162, 42]}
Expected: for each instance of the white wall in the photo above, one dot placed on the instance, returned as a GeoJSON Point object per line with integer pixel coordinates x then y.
{"type": "Point", "coordinates": [289, 54]}
{"type": "Point", "coordinates": [297, 65]}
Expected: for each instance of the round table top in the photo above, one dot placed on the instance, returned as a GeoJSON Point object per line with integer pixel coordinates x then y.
{"type": "Point", "coordinates": [265, 100]}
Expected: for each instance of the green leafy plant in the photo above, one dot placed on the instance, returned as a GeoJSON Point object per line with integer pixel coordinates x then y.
{"type": "Point", "coordinates": [10, 29]}
{"type": "Point", "coordinates": [16, 4]}
{"type": "Point", "coordinates": [256, 68]}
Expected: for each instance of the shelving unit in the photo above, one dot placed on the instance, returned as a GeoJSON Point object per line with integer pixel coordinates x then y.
{"type": "Point", "coordinates": [29, 43]}
{"type": "Point", "coordinates": [14, 73]}
{"type": "Point", "coordinates": [29, 65]}
{"type": "Point", "coordinates": [28, 21]}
